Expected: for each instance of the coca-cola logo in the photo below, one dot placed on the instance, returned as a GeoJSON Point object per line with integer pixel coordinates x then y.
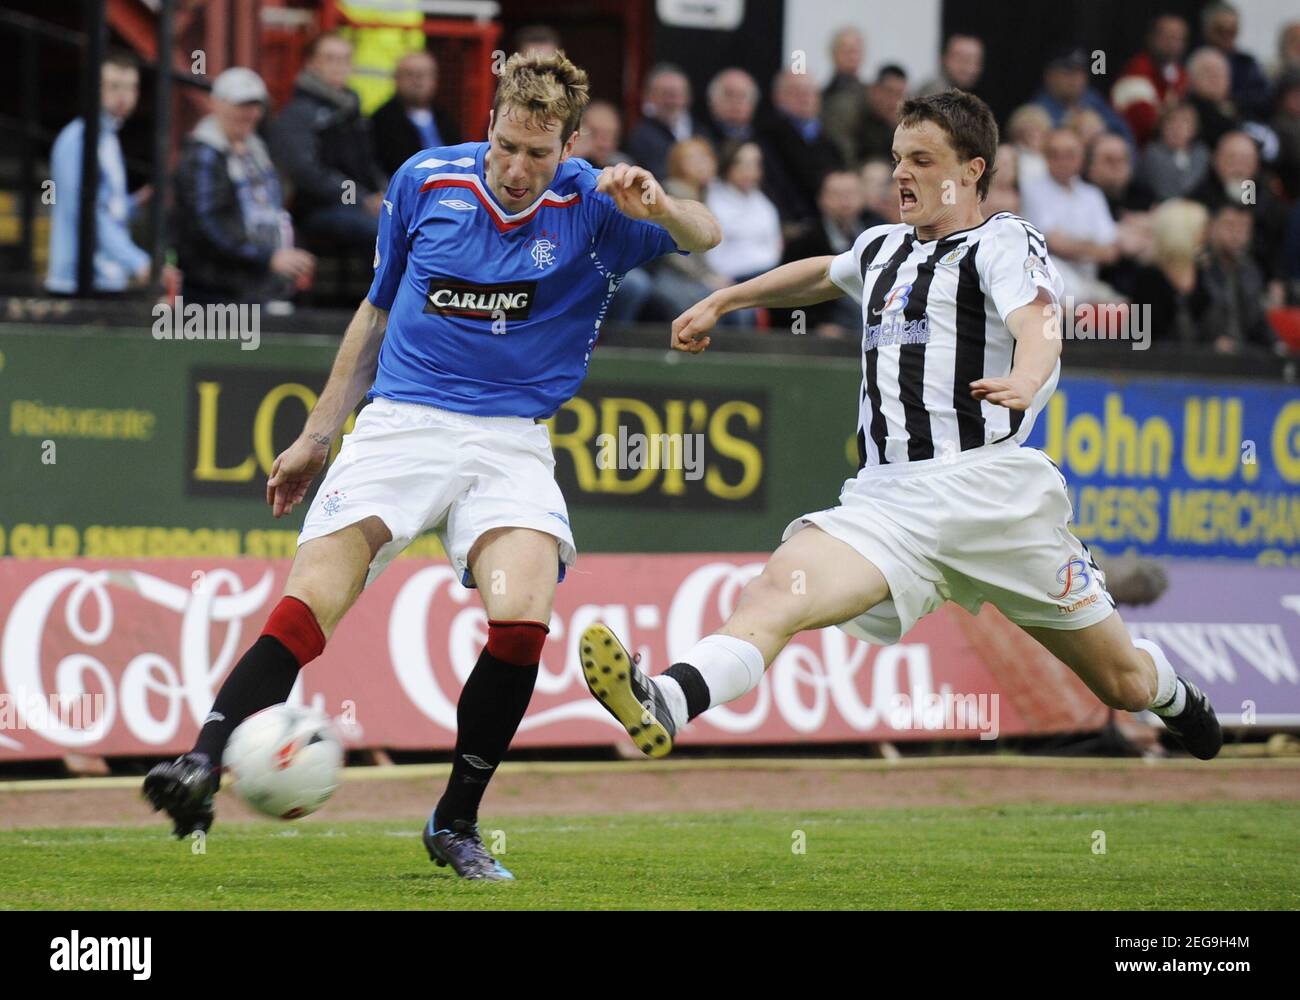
{"type": "Point", "coordinates": [65, 639]}
{"type": "Point", "coordinates": [814, 676]}
{"type": "Point", "coordinates": [184, 683]}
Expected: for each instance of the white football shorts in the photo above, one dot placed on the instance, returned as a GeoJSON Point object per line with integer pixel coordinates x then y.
{"type": "Point", "coordinates": [420, 468]}
{"type": "Point", "coordinates": [990, 525]}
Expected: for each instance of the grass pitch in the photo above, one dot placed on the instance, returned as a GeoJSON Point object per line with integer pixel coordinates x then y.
{"type": "Point", "coordinates": [1167, 856]}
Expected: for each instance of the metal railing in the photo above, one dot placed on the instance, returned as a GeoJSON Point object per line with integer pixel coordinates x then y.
{"type": "Point", "coordinates": [30, 34]}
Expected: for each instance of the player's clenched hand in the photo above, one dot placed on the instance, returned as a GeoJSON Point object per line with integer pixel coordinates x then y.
{"type": "Point", "coordinates": [1015, 392]}
{"type": "Point", "coordinates": [292, 472]}
{"type": "Point", "coordinates": [691, 328]}
{"type": "Point", "coordinates": [635, 191]}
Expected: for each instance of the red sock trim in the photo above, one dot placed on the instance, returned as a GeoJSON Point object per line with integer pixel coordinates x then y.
{"type": "Point", "coordinates": [293, 623]}
{"type": "Point", "coordinates": [516, 642]}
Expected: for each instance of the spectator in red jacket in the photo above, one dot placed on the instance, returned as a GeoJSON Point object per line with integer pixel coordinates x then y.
{"type": "Point", "coordinates": [1160, 64]}
{"type": "Point", "coordinates": [1161, 61]}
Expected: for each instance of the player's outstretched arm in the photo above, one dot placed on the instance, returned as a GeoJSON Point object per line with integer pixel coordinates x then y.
{"type": "Point", "coordinates": [351, 377]}
{"type": "Point", "coordinates": [638, 195]}
{"type": "Point", "coordinates": [1036, 328]}
{"type": "Point", "coordinates": [799, 283]}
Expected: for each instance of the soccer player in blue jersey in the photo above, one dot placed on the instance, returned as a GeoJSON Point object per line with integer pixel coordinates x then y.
{"type": "Point", "coordinates": [494, 266]}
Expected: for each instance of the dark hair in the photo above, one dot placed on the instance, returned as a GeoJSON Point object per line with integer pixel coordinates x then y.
{"type": "Point", "coordinates": [663, 69]}
{"type": "Point", "coordinates": [966, 120]}
{"type": "Point", "coordinates": [313, 46]}
{"type": "Point", "coordinates": [1179, 107]}
{"type": "Point", "coordinates": [730, 152]}
{"type": "Point", "coordinates": [1231, 205]}
{"type": "Point", "coordinates": [1164, 16]}
{"type": "Point", "coordinates": [830, 174]}
{"type": "Point", "coordinates": [531, 34]}
{"type": "Point", "coordinates": [122, 58]}
{"type": "Point", "coordinates": [958, 36]}
{"type": "Point", "coordinates": [891, 69]}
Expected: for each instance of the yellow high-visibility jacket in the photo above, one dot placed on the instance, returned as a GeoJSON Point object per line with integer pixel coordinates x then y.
{"type": "Point", "coordinates": [377, 51]}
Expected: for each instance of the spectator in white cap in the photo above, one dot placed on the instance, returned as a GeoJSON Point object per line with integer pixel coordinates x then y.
{"type": "Point", "coordinates": [234, 238]}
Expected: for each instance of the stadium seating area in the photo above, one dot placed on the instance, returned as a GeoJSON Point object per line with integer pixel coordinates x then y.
{"type": "Point", "coordinates": [1175, 192]}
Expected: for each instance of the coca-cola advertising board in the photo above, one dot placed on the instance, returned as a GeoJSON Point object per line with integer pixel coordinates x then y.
{"type": "Point", "coordinates": [125, 657]}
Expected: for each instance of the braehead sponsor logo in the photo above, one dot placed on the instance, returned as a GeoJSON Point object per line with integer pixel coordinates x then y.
{"type": "Point", "coordinates": [893, 329]}
{"type": "Point", "coordinates": [895, 332]}
{"type": "Point", "coordinates": [449, 297]}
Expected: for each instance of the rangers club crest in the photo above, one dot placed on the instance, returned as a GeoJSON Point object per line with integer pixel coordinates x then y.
{"type": "Point", "coordinates": [542, 249]}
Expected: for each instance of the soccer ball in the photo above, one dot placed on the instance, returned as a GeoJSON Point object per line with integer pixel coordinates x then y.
{"type": "Point", "coordinates": [285, 760]}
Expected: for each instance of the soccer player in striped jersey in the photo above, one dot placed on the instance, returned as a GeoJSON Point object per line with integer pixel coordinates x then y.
{"type": "Point", "coordinates": [960, 351]}
{"type": "Point", "coordinates": [494, 266]}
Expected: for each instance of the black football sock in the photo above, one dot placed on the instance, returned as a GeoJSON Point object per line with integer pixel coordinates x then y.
{"type": "Point", "coordinates": [263, 677]}
{"type": "Point", "coordinates": [693, 685]}
{"type": "Point", "coordinates": [491, 706]}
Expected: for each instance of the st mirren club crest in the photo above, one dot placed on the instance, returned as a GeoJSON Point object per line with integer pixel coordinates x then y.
{"type": "Point", "coordinates": [542, 249]}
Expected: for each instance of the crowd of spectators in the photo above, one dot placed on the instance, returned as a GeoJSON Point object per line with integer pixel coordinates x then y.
{"type": "Point", "coordinates": [1178, 188]}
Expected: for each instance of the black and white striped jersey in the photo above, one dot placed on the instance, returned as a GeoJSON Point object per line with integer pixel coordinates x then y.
{"type": "Point", "coordinates": [934, 320]}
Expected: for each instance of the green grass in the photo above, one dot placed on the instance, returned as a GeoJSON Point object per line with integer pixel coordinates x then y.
{"type": "Point", "coordinates": [1229, 856]}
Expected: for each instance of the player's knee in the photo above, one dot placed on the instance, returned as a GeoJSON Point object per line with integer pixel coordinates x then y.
{"type": "Point", "coordinates": [376, 534]}
{"type": "Point", "coordinates": [773, 597]}
{"type": "Point", "coordinates": [326, 609]}
{"type": "Point", "coordinates": [328, 597]}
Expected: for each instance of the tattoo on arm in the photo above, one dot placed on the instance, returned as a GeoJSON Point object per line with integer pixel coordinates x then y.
{"type": "Point", "coordinates": [321, 440]}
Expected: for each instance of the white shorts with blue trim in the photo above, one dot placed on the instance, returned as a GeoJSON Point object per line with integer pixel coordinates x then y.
{"type": "Point", "coordinates": [989, 525]}
{"type": "Point", "coordinates": [419, 468]}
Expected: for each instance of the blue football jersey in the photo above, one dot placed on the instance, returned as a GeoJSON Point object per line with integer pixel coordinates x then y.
{"type": "Point", "coordinates": [491, 312]}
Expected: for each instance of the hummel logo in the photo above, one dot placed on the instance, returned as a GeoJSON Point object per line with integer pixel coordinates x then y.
{"type": "Point", "coordinates": [458, 205]}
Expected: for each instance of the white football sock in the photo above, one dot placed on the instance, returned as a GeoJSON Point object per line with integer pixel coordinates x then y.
{"type": "Point", "coordinates": [674, 696]}
{"type": "Point", "coordinates": [731, 667]}
{"type": "Point", "coordinates": [1171, 696]}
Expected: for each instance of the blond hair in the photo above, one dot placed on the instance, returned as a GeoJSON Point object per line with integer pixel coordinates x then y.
{"type": "Point", "coordinates": [544, 86]}
{"type": "Point", "coordinates": [1025, 117]}
{"type": "Point", "coordinates": [1178, 231]}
